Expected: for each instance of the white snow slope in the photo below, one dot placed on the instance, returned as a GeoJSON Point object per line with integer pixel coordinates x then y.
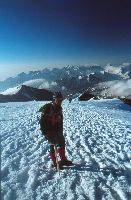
{"type": "Point", "coordinates": [97, 138]}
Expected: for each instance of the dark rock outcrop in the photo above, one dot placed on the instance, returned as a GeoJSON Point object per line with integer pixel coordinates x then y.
{"type": "Point", "coordinates": [87, 95]}
{"type": "Point", "coordinates": [27, 93]}
{"type": "Point", "coordinates": [127, 101]}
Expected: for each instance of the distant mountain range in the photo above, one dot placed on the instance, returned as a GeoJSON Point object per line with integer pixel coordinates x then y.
{"type": "Point", "coordinates": [69, 80]}
{"type": "Point", "coordinates": [48, 75]}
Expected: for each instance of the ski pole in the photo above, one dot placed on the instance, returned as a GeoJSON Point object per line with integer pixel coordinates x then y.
{"type": "Point", "coordinates": [56, 155]}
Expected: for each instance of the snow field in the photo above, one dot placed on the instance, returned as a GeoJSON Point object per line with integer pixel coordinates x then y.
{"type": "Point", "coordinates": [97, 137]}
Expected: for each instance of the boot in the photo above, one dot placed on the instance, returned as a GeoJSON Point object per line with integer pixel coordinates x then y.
{"type": "Point", "coordinates": [52, 156]}
{"type": "Point", "coordinates": [53, 159]}
{"type": "Point", "coordinates": [64, 160]}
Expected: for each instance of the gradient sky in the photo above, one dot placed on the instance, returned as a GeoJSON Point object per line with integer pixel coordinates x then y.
{"type": "Point", "coordinates": [39, 33]}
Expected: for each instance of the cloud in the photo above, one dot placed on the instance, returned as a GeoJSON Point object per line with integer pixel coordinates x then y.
{"type": "Point", "coordinates": [112, 69]}
{"type": "Point", "coordinates": [53, 83]}
{"type": "Point", "coordinates": [119, 88]}
{"type": "Point", "coordinates": [40, 83]}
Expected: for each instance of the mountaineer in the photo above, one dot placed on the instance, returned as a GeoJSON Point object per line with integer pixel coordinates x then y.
{"type": "Point", "coordinates": [51, 123]}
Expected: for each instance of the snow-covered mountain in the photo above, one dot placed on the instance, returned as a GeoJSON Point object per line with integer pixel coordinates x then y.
{"type": "Point", "coordinates": [97, 135]}
{"type": "Point", "coordinates": [124, 70]}
{"type": "Point", "coordinates": [25, 93]}
{"type": "Point", "coordinates": [58, 74]}
{"type": "Point", "coordinates": [48, 75]}
{"type": "Point", "coordinates": [72, 79]}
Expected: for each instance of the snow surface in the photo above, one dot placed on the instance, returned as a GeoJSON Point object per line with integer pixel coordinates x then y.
{"type": "Point", "coordinates": [11, 91]}
{"type": "Point", "coordinates": [97, 139]}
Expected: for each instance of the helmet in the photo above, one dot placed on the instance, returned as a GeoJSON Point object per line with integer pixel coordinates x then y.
{"type": "Point", "coordinates": [57, 95]}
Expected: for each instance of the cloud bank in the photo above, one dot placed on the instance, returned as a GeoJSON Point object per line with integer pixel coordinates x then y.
{"type": "Point", "coordinates": [118, 88]}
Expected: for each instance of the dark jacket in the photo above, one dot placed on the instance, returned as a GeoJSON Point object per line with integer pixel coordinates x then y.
{"type": "Point", "coordinates": [51, 118]}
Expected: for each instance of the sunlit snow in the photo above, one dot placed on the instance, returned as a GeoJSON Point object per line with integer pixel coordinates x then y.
{"type": "Point", "coordinates": [11, 91]}
{"type": "Point", "coordinates": [97, 139]}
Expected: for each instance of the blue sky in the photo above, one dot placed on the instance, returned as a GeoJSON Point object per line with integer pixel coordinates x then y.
{"type": "Point", "coordinates": [47, 33]}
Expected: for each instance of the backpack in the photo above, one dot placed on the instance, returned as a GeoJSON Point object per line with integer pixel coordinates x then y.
{"type": "Point", "coordinates": [44, 110]}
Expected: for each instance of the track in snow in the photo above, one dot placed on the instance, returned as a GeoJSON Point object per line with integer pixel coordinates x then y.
{"type": "Point", "coordinates": [97, 136]}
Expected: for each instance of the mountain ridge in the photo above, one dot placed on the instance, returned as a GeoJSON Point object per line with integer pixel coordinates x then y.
{"type": "Point", "coordinates": [69, 79]}
{"type": "Point", "coordinates": [26, 93]}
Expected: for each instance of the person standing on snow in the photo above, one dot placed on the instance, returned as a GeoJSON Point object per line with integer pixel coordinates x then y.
{"type": "Point", "coordinates": [51, 124]}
